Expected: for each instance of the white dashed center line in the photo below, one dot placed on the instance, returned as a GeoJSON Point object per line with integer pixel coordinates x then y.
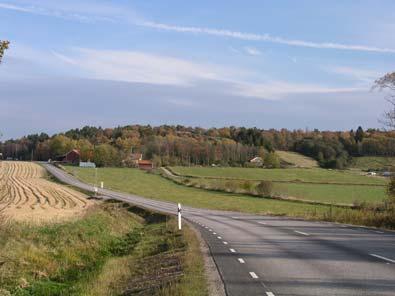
{"type": "Point", "coordinates": [232, 250]}
{"type": "Point", "coordinates": [253, 275]}
{"type": "Point", "coordinates": [263, 223]}
{"type": "Point", "coordinates": [302, 233]}
{"type": "Point", "coordinates": [219, 237]}
{"type": "Point", "coordinates": [214, 233]}
{"type": "Point", "coordinates": [383, 258]}
{"type": "Point", "coordinates": [225, 243]}
{"type": "Point", "coordinates": [379, 232]}
{"type": "Point", "coordinates": [241, 260]}
{"type": "Point", "coordinates": [269, 294]}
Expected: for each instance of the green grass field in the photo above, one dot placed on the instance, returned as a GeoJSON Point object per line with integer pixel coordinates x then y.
{"type": "Point", "coordinates": [157, 187]}
{"type": "Point", "coordinates": [317, 175]}
{"type": "Point", "coordinates": [328, 193]}
{"type": "Point", "coordinates": [297, 159]}
{"type": "Point", "coordinates": [373, 162]}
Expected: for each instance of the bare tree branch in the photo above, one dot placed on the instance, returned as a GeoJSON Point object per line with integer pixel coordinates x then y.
{"type": "Point", "coordinates": [387, 82]}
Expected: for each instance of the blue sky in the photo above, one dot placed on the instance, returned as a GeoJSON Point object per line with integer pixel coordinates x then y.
{"type": "Point", "coordinates": [270, 64]}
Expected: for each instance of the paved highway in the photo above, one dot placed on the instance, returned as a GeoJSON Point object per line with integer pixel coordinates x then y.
{"type": "Point", "coordinates": [263, 255]}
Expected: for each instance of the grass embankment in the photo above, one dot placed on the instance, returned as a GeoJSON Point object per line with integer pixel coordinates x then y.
{"type": "Point", "coordinates": [296, 159]}
{"type": "Point", "coordinates": [115, 249]}
{"type": "Point", "coordinates": [376, 163]}
{"type": "Point", "coordinates": [157, 187]}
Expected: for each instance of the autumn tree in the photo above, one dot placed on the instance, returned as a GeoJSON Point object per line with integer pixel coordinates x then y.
{"type": "Point", "coordinates": [387, 82]}
{"type": "Point", "coordinates": [3, 46]}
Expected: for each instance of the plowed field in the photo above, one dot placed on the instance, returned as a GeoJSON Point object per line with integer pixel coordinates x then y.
{"type": "Point", "coordinates": [26, 195]}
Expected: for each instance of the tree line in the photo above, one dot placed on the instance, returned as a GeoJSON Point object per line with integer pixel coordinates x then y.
{"type": "Point", "coordinates": [181, 145]}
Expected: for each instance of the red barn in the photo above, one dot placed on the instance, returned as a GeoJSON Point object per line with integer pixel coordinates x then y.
{"type": "Point", "coordinates": [72, 157]}
{"type": "Point", "coordinates": [146, 165]}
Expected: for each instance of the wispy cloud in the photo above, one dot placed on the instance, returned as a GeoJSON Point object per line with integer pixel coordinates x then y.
{"type": "Point", "coordinates": [361, 75]}
{"type": "Point", "coordinates": [132, 66]}
{"type": "Point", "coordinates": [252, 51]}
{"type": "Point", "coordinates": [264, 37]}
{"type": "Point", "coordinates": [112, 13]}
{"type": "Point", "coordinates": [64, 13]}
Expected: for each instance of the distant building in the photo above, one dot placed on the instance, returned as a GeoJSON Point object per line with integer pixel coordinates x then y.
{"type": "Point", "coordinates": [146, 165]}
{"type": "Point", "coordinates": [87, 164]}
{"type": "Point", "coordinates": [257, 160]}
{"type": "Point", "coordinates": [136, 157]}
{"type": "Point", "coordinates": [71, 157]}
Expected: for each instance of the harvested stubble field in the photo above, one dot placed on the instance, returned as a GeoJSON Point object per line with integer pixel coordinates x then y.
{"type": "Point", "coordinates": [25, 194]}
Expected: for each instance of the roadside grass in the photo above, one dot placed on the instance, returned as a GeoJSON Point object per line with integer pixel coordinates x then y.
{"type": "Point", "coordinates": [315, 175]}
{"type": "Point", "coordinates": [297, 159]}
{"type": "Point", "coordinates": [104, 253]}
{"type": "Point", "coordinates": [373, 163]}
{"type": "Point", "coordinates": [156, 187]}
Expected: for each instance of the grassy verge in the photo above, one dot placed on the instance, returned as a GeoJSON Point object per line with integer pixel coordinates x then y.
{"type": "Point", "coordinates": [157, 187]}
{"type": "Point", "coordinates": [115, 249]}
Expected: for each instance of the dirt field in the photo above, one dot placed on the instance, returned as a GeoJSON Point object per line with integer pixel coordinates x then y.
{"type": "Point", "coordinates": [26, 195]}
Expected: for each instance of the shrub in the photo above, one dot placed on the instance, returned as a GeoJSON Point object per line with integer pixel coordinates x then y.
{"type": "Point", "coordinates": [247, 186]}
{"type": "Point", "coordinates": [231, 186]}
{"type": "Point", "coordinates": [272, 160]}
{"type": "Point", "coordinates": [391, 191]}
{"type": "Point", "coordinates": [264, 188]}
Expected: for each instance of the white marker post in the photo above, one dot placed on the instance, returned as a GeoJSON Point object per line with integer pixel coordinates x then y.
{"type": "Point", "coordinates": [101, 184]}
{"type": "Point", "coordinates": [179, 216]}
{"type": "Point", "coordinates": [95, 189]}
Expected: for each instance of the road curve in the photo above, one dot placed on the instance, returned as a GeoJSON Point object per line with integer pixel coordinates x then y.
{"type": "Point", "coordinates": [264, 255]}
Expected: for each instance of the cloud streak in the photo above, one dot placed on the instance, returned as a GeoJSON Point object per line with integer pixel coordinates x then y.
{"type": "Point", "coordinates": [264, 37]}
{"type": "Point", "coordinates": [154, 69]}
{"type": "Point", "coordinates": [117, 14]}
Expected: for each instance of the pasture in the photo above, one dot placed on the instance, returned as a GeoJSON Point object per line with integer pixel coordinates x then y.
{"type": "Point", "coordinates": [313, 175]}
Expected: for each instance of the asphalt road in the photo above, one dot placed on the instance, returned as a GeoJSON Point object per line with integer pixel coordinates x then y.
{"type": "Point", "coordinates": [263, 255]}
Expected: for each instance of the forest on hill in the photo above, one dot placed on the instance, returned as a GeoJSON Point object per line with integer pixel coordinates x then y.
{"type": "Point", "coordinates": [180, 145]}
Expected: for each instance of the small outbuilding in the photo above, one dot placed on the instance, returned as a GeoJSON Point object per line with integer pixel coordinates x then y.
{"type": "Point", "coordinates": [87, 164]}
{"type": "Point", "coordinates": [257, 160]}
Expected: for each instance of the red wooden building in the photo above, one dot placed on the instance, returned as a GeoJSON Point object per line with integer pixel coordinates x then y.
{"type": "Point", "coordinates": [146, 165]}
{"type": "Point", "coordinates": [72, 157]}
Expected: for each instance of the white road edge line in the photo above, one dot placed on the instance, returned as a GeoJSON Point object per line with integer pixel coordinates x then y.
{"type": "Point", "coordinates": [379, 232]}
{"type": "Point", "coordinates": [302, 233]}
{"type": "Point", "coordinates": [383, 258]}
{"type": "Point", "coordinates": [241, 260]}
{"type": "Point", "coordinates": [269, 294]}
{"type": "Point", "coordinates": [232, 250]}
{"type": "Point", "coordinates": [253, 275]}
